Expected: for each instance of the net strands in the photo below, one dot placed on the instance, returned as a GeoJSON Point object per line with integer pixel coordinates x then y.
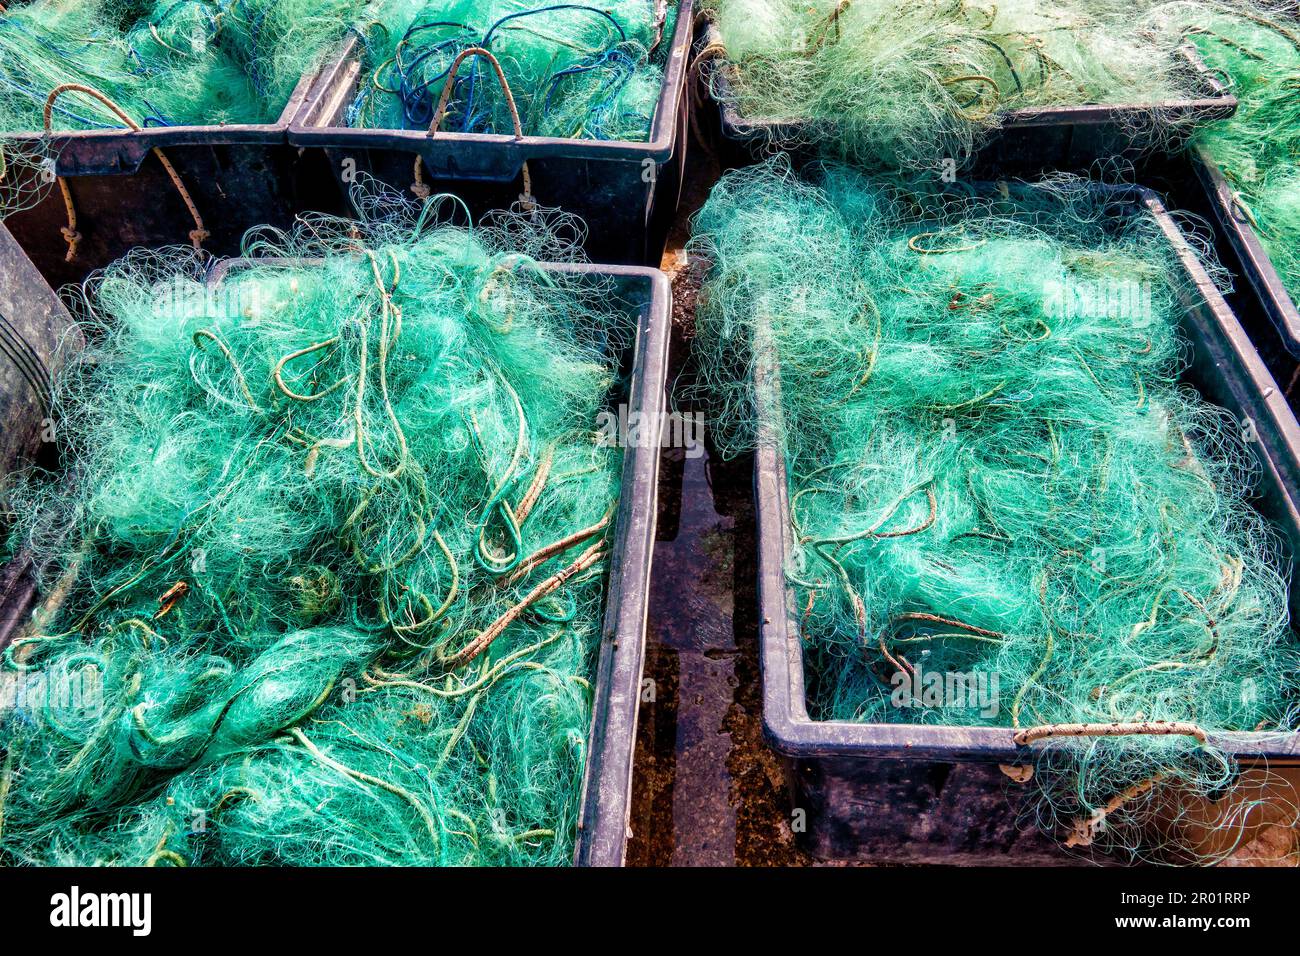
{"type": "Point", "coordinates": [165, 63]}
{"type": "Point", "coordinates": [324, 584]}
{"type": "Point", "coordinates": [996, 475]}
{"type": "Point", "coordinates": [573, 70]}
{"type": "Point", "coordinates": [1258, 50]}
{"type": "Point", "coordinates": [911, 84]}
{"type": "Point", "coordinates": [25, 176]}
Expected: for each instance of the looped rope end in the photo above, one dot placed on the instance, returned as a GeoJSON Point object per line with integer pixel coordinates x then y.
{"type": "Point", "coordinates": [69, 232]}
{"type": "Point", "coordinates": [419, 186]}
{"type": "Point", "coordinates": [73, 239]}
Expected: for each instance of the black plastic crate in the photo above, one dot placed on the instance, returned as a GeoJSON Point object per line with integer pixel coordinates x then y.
{"type": "Point", "coordinates": [607, 779]}
{"type": "Point", "coordinates": [237, 176]}
{"type": "Point", "coordinates": [625, 192]}
{"type": "Point", "coordinates": [1029, 138]}
{"type": "Point", "coordinates": [937, 794]}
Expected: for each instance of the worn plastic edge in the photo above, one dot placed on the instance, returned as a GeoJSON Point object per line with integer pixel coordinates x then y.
{"type": "Point", "coordinates": [660, 146]}
{"type": "Point", "coordinates": [17, 583]}
{"type": "Point", "coordinates": [1255, 260]}
{"type": "Point", "coordinates": [606, 797]}
{"type": "Point", "coordinates": [135, 145]}
{"type": "Point", "coordinates": [786, 725]}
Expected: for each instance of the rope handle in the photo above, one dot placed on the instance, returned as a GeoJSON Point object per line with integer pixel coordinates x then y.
{"type": "Point", "coordinates": [419, 187]}
{"type": "Point", "coordinates": [484, 638]}
{"type": "Point", "coordinates": [698, 84]}
{"type": "Point", "coordinates": [1243, 210]}
{"type": "Point", "coordinates": [660, 21]}
{"type": "Point", "coordinates": [1158, 728]}
{"type": "Point", "coordinates": [709, 51]}
{"type": "Point", "coordinates": [73, 238]}
{"type": "Point", "coordinates": [823, 31]}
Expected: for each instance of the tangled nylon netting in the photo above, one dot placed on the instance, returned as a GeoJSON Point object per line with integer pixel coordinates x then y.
{"type": "Point", "coordinates": [995, 474]}
{"type": "Point", "coordinates": [24, 176]}
{"type": "Point", "coordinates": [573, 70]}
{"type": "Point", "coordinates": [912, 83]}
{"type": "Point", "coordinates": [324, 583]}
{"type": "Point", "coordinates": [1258, 148]}
{"type": "Point", "coordinates": [163, 62]}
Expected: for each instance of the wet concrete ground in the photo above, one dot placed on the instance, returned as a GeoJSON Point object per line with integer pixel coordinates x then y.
{"type": "Point", "coordinates": [706, 792]}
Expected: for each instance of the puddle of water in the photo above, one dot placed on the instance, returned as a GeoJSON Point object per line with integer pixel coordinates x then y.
{"type": "Point", "coordinates": [690, 626]}
{"type": "Point", "coordinates": [706, 790]}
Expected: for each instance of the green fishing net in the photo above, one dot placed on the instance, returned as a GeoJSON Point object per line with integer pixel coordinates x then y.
{"type": "Point", "coordinates": [164, 62]}
{"type": "Point", "coordinates": [25, 175]}
{"type": "Point", "coordinates": [997, 475]}
{"type": "Point", "coordinates": [574, 70]}
{"type": "Point", "coordinates": [911, 83]}
{"type": "Point", "coordinates": [324, 580]}
{"type": "Point", "coordinates": [1258, 148]}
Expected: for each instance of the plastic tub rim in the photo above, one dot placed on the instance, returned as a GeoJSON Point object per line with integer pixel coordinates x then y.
{"type": "Point", "coordinates": [1257, 263]}
{"type": "Point", "coordinates": [133, 146]}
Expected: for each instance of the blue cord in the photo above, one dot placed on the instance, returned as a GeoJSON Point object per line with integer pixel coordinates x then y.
{"type": "Point", "coordinates": [37, 97]}
{"type": "Point", "coordinates": [414, 90]}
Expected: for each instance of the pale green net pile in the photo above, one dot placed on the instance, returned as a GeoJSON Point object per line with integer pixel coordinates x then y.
{"type": "Point", "coordinates": [995, 471]}
{"type": "Point", "coordinates": [324, 580]}
{"type": "Point", "coordinates": [1258, 148]}
{"type": "Point", "coordinates": [24, 176]}
{"type": "Point", "coordinates": [911, 83]}
{"type": "Point", "coordinates": [575, 70]}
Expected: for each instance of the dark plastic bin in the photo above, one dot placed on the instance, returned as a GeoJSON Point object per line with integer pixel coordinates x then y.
{"type": "Point", "coordinates": [625, 192]}
{"type": "Point", "coordinates": [1254, 260]}
{"type": "Point", "coordinates": [935, 794]}
{"type": "Point", "coordinates": [1049, 137]}
{"type": "Point", "coordinates": [238, 176]}
{"type": "Point", "coordinates": [607, 780]}
{"type": "Point", "coordinates": [36, 336]}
